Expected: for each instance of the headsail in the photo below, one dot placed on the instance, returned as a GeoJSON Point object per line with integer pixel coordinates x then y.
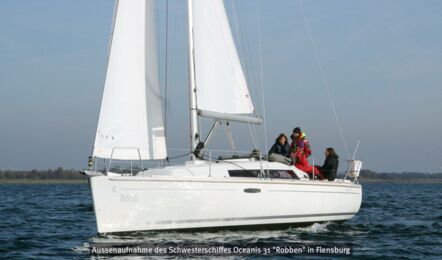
{"type": "Point", "coordinates": [220, 82]}
{"type": "Point", "coordinates": [130, 125]}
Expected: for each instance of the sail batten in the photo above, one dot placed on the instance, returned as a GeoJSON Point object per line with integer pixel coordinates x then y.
{"type": "Point", "coordinates": [130, 125]}
{"type": "Point", "coordinates": [220, 82]}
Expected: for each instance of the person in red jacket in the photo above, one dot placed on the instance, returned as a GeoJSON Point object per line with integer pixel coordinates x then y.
{"type": "Point", "coordinates": [299, 139]}
{"type": "Point", "coordinates": [301, 162]}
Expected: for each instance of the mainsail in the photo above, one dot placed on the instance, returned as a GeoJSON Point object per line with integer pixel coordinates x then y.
{"type": "Point", "coordinates": [130, 125]}
{"type": "Point", "coordinates": [221, 87]}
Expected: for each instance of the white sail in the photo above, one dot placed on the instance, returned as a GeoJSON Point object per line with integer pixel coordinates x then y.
{"type": "Point", "coordinates": [130, 125]}
{"type": "Point", "coordinates": [220, 82]}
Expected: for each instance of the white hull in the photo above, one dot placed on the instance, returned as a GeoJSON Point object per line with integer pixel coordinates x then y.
{"type": "Point", "coordinates": [158, 202]}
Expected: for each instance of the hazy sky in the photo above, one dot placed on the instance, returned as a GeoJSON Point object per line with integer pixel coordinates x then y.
{"type": "Point", "coordinates": [382, 60]}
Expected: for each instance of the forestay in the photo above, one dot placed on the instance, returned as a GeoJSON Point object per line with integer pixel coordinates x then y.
{"type": "Point", "coordinates": [220, 82]}
{"type": "Point", "coordinates": [130, 125]}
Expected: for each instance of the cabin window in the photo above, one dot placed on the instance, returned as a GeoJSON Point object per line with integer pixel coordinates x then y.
{"type": "Point", "coordinates": [274, 174]}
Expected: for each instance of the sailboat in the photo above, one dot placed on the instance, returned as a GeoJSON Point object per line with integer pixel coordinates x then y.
{"type": "Point", "coordinates": [201, 193]}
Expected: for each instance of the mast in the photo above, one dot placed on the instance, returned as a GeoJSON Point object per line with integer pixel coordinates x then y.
{"type": "Point", "coordinates": [194, 135]}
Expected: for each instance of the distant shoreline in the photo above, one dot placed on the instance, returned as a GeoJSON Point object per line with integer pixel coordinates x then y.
{"type": "Point", "coordinates": [41, 181]}
{"type": "Point", "coordinates": [412, 181]}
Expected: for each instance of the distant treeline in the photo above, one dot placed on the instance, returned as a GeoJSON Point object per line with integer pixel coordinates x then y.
{"type": "Point", "coordinates": [71, 174]}
{"type": "Point", "coordinates": [371, 176]}
{"type": "Point", "coordinates": [57, 174]}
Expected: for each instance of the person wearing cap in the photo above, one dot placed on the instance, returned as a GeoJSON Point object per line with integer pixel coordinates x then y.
{"type": "Point", "coordinates": [299, 139]}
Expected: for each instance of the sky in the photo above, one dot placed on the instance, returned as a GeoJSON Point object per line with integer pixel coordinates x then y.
{"type": "Point", "coordinates": [381, 60]}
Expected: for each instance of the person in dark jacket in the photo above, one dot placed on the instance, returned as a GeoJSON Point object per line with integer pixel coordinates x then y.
{"type": "Point", "coordinates": [281, 146]}
{"type": "Point", "coordinates": [331, 163]}
{"type": "Point", "coordinates": [280, 151]}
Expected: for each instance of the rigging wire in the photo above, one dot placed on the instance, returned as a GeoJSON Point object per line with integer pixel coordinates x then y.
{"type": "Point", "coordinates": [323, 77]}
{"type": "Point", "coordinates": [229, 162]}
{"type": "Point", "coordinates": [157, 23]}
{"type": "Point", "coordinates": [178, 156]}
{"type": "Point", "coordinates": [261, 72]}
{"type": "Point", "coordinates": [229, 134]}
{"type": "Point", "coordinates": [247, 70]}
{"type": "Point", "coordinates": [166, 68]}
{"type": "Point", "coordinates": [254, 77]}
{"type": "Point", "coordinates": [237, 31]}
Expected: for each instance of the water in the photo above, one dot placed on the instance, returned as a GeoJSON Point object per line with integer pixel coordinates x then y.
{"type": "Point", "coordinates": [53, 220]}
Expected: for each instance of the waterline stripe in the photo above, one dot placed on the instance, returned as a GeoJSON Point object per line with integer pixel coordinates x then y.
{"type": "Point", "coordinates": [179, 189]}
{"type": "Point", "coordinates": [314, 191]}
{"type": "Point", "coordinates": [251, 218]}
{"type": "Point", "coordinates": [340, 192]}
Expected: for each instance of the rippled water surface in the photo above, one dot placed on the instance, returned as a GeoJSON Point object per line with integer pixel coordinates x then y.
{"type": "Point", "coordinates": [53, 220]}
